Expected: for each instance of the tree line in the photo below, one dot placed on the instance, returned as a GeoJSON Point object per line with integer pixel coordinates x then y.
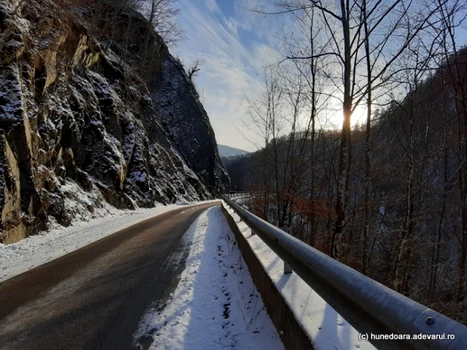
{"type": "Point", "coordinates": [388, 195]}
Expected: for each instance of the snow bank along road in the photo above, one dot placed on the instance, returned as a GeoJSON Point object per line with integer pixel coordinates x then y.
{"type": "Point", "coordinates": [94, 297]}
{"type": "Point", "coordinates": [215, 304]}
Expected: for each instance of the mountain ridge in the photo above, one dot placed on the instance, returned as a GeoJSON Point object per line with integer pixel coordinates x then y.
{"type": "Point", "coordinates": [228, 151]}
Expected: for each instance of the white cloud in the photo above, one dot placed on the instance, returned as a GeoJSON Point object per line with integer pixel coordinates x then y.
{"type": "Point", "coordinates": [231, 24]}
{"type": "Point", "coordinates": [212, 6]}
{"type": "Point", "coordinates": [231, 67]}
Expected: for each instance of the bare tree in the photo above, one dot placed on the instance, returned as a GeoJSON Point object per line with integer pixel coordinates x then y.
{"type": "Point", "coordinates": [266, 114]}
{"type": "Point", "coordinates": [349, 25]}
{"type": "Point", "coordinates": [451, 15]}
{"type": "Point", "coordinates": [193, 70]}
{"type": "Point", "coordinates": [397, 183]}
{"type": "Point", "coordinates": [162, 16]}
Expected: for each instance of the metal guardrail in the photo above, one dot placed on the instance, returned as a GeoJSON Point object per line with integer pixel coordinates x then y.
{"type": "Point", "coordinates": [234, 194]}
{"type": "Point", "coordinates": [238, 195]}
{"type": "Point", "coordinates": [367, 305]}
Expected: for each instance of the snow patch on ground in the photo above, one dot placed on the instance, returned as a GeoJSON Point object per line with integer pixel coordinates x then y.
{"type": "Point", "coordinates": [326, 328]}
{"type": "Point", "coordinates": [33, 251]}
{"type": "Point", "coordinates": [215, 305]}
{"type": "Point", "coordinates": [78, 202]}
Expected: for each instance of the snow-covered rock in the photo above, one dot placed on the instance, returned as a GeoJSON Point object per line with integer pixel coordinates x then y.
{"type": "Point", "coordinates": [74, 111]}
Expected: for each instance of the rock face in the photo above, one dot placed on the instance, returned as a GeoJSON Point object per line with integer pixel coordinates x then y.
{"type": "Point", "coordinates": [184, 118]}
{"type": "Point", "coordinates": [79, 129]}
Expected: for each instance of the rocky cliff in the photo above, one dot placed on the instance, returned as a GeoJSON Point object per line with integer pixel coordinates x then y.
{"type": "Point", "coordinates": [80, 129]}
{"type": "Point", "coordinates": [184, 118]}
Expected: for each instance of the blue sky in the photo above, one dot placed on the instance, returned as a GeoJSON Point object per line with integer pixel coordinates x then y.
{"type": "Point", "coordinates": [233, 44]}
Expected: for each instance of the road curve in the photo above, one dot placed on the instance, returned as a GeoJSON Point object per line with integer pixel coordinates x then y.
{"type": "Point", "coordinates": [94, 297]}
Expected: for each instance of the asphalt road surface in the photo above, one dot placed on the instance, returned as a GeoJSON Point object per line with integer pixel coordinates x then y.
{"type": "Point", "coordinates": [94, 297]}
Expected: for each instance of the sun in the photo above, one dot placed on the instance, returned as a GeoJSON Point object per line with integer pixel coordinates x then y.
{"type": "Point", "coordinates": [359, 116]}
{"type": "Point", "coordinates": [332, 119]}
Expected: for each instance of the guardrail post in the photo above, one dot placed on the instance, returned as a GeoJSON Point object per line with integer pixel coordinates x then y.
{"type": "Point", "coordinates": [287, 269]}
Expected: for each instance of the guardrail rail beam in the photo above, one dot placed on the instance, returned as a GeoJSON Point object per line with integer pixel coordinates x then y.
{"type": "Point", "coordinates": [366, 304]}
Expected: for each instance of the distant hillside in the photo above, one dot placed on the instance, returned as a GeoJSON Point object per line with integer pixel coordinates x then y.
{"type": "Point", "coordinates": [227, 151]}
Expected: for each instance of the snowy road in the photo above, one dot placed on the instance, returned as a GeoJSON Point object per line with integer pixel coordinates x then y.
{"type": "Point", "coordinates": [93, 298]}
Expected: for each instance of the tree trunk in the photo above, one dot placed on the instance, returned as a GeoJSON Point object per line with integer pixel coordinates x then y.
{"type": "Point", "coordinates": [344, 154]}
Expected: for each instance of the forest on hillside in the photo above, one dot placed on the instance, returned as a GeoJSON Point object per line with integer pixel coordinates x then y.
{"type": "Point", "coordinates": [386, 195]}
